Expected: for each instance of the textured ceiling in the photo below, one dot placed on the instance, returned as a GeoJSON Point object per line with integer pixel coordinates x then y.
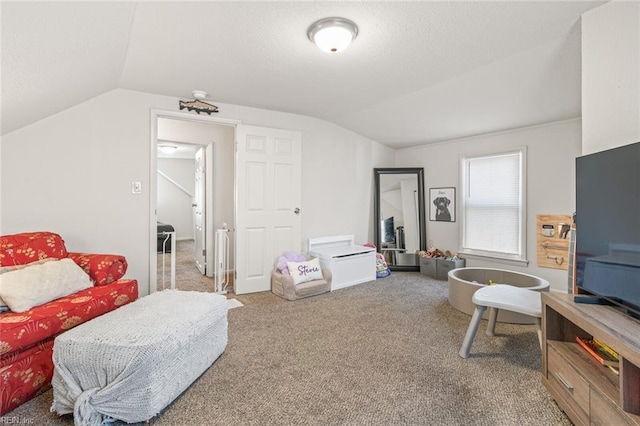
{"type": "Point", "coordinates": [419, 72]}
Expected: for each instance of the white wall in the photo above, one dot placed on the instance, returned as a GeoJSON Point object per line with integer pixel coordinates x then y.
{"type": "Point", "coordinates": [71, 173]}
{"type": "Point", "coordinates": [337, 173]}
{"type": "Point", "coordinates": [391, 206]}
{"type": "Point", "coordinates": [551, 153]}
{"type": "Point", "coordinates": [409, 188]}
{"type": "Point", "coordinates": [610, 76]}
{"type": "Point", "coordinates": [174, 204]}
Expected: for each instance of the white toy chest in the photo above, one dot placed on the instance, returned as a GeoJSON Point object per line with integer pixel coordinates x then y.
{"type": "Point", "coordinates": [350, 264]}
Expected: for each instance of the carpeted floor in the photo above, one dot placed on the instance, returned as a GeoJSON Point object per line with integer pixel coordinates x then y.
{"type": "Point", "coordinates": [380, 353]}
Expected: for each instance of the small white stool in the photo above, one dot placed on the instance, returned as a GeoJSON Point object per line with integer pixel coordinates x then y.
{"type": "Point", "coordinates": [501, 296]}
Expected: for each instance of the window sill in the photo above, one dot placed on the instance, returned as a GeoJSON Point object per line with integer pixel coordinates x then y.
{"type": "Point", "coordinates": [497, 259]}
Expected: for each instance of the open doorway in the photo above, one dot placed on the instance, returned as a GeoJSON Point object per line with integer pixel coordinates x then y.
{"type": "Point", "coordinates": [194, 196]}
{"type": "Point", "coordinates": [181, 212]}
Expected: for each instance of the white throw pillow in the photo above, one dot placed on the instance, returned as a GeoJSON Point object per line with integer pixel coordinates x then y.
{"type": "Point", "coordinates": [301, 272]}
{"type": "Point", "coordinates": [35, 285]}
{"type": "Point", "coordinates": [4, 269]}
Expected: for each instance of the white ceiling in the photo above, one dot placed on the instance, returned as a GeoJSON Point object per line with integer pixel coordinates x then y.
{"type": "Point", "coordinates": [418, 72]}
{"type": "Point", "coordinates": [183, 151]}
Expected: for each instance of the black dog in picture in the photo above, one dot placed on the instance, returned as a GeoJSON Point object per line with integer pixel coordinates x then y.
{"type": "Point", "coordinates": [442, 209]}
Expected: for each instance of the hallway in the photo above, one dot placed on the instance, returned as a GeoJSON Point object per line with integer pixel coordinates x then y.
{"type": "Point", "coordinates": [187, 275]}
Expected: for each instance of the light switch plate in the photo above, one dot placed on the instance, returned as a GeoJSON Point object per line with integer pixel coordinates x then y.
{"type": "Point", "coordinates": [136, 187]}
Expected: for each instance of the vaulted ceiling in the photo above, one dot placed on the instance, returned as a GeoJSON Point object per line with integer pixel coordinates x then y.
{"type": "Point", "coordinates": [418, 72]}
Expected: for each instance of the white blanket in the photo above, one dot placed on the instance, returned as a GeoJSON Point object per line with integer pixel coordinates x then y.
{"type": "Point", "coordinates": [130, 363]}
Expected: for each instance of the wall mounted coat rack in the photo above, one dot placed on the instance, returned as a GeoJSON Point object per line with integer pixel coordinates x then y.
{"type": "Point", "coordinates": [553, 238]}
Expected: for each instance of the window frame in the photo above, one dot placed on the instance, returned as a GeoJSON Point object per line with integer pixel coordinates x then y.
{"type": "Point", "coordinates": [520, 259]}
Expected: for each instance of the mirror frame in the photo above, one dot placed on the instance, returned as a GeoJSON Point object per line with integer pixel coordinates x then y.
{"type": "Point", "coordinates": [419, 172]}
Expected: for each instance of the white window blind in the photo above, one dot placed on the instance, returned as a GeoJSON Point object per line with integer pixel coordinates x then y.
{"type": "Point", "coordinates": [493, 205]}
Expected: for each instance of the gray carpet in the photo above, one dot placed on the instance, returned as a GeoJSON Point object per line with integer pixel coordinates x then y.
{"type": "Point", "coordinates": [380, 353]}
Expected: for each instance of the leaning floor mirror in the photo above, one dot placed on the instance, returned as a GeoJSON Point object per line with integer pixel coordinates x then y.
{"type": "Point", "coordinates": [399, 216]}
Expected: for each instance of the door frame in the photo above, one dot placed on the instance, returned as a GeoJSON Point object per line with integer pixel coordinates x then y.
{"type": "Point", "coordinates": [200, 201]}
{"type": "Point", "coordinates": [155, 114]}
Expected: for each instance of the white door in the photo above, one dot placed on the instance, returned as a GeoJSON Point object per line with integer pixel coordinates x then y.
{"type": "Point", "coordinates": [268, 193]}
{"type": "Point", "coordinates": [199, 212]}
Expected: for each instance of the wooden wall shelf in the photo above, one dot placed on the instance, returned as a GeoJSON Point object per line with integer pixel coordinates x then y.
{"type": "Point", "coordinates": [553, 251]}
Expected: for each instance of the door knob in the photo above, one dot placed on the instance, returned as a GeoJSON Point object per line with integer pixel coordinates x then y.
{"type": "Point", "coordinates": [296, 210]}
{"type": "Point", "coordinates": [194, 205]}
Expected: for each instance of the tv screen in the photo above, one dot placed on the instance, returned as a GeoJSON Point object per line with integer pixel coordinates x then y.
{"type": "Point", "coordinates": [388, 232]}
{"type": "Point", "coordinates": [608, 226]}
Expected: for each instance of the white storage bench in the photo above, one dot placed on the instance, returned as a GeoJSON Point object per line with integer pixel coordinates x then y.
{"type": "Point", "coordinates": [350, 264]}
{"type": "Point", "coordinates": [129, 364]}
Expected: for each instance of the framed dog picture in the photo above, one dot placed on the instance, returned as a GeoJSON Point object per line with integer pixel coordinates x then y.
{"type": "Point", "coordinates": [442, 204]}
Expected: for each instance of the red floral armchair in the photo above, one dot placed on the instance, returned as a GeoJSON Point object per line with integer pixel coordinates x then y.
{"type": "Point", "coordinates": [26, 338]}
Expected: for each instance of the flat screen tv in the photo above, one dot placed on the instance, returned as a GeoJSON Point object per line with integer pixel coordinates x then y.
{"type": "Point", "coordinates": [608, 227]}
{"type": "Point", "coordinates": [388, 232]}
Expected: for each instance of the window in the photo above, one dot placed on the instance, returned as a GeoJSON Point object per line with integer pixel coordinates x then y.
{"type": "Point", "coordinates": [493, 205]}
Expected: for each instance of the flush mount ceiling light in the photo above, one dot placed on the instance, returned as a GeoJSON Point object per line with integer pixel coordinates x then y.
{"type": "Point", "coordinates": [332, 34]}
{"type": "Point", "coordinates": [167, 149]}
{"type": "Point", "coordinates": [199, 94]}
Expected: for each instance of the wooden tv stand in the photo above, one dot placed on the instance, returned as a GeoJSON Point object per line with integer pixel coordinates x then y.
{"type": "Point", "coordinates": [588, 392]}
